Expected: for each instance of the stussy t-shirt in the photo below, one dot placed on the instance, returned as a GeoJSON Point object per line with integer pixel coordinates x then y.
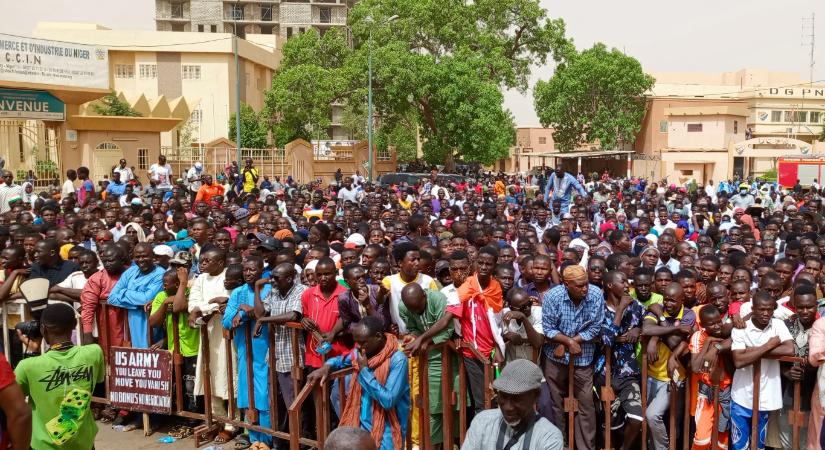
{"type": "Point", "coordinates": [59, 385]}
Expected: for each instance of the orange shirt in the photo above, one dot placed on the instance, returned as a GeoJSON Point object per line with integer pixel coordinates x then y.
{"type": "Point", "coordinates": [206, 192]}
{"type": "Point", "coordinates": [697, 343]}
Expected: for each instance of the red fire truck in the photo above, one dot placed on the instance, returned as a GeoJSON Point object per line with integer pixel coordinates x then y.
{"type": "Point", "coordinates": [806, 170]}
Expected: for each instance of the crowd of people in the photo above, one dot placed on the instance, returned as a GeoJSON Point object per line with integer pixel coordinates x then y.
{"type": "Point", "coordinates": [699, 282]}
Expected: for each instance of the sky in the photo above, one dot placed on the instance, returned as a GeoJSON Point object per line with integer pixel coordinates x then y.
{"type": "Point", "coordinates": [696, 36]}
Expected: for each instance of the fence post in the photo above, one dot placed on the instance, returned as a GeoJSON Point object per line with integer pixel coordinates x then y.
{"type": "Point", "coordinates": [644, 395]}
{"type": "Point", "coordinates": [714, 434]}
{"type": "Point", "coordinates": [462, 399]}
{"type": "Point", "coordinates": [447, 401]}
{"type": "Point", "coordinates": [688, 395]}
{"type": "Point", "coordinates": [424, 397]}
{"type": "Point", "coordinates": [273, 380]}
{"type": "Point", "coordinates": [233, 406]}
{"type": "Point", "coordinates": [207, 374]}
{"type": "Point", "coordinates": [252, 410]}
{"type": "Point", "coordinates": [757, 376]}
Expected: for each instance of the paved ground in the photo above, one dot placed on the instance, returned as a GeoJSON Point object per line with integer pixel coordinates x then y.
{"type": "Point", "coordinates": [108, 439]}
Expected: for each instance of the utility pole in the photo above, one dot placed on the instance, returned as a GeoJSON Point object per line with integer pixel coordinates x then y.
{"type": "Point", "coordinates": [809, 40]}
{"type": "Point", "coordinates": [237, 87]}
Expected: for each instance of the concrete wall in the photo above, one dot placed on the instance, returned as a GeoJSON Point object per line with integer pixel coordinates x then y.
{"type": "Point", "coordinates": [84, 151]}
{"type": "Point", "coordinates": [717, 131]}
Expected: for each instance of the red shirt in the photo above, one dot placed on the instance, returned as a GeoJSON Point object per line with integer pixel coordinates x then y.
{"type": "Point", "coordinates": [483, 336]}
{"type": "Point", "coordinates": [324, 311]}
{"type": "Point", "coordinates": [99, 285]}
{"type": "Point", "coordinates": [6, 380]}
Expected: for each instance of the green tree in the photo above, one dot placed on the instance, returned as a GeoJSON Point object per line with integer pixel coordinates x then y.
{"type": "Point", "coordinates": [254, 127]}
{"type": "Point", "coordinates": [113, 106]}
{"type": "Point", "coordinates": [595, 95]}
{"type": "Point", "coordinates": [309, 79]}
{"type": "Point", "coordinates": [447, 62]}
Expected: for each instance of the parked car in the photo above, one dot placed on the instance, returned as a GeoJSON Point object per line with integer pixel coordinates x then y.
{"type": "Point", "coordinates": [398, 178]}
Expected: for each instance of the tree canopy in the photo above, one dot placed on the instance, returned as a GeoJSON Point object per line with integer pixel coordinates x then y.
{"type": "Point", "coordinates": [113, 106]}
{"type": "Point", "coordinates": [439, 68]}
{"type": "Point", "coordinates": [254, 129]}
{"type": "Point", "coordinates": [597, 95]}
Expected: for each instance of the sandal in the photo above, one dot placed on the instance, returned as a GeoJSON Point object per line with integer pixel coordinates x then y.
{"type": "Point", "coordinates": [242, 442]}
{"type": "Point", "coordinates": [181, 432]}
{"type": "Point", "coordinates": [223, 437]}
{"type": "Point", "coordinates": [108, 414]}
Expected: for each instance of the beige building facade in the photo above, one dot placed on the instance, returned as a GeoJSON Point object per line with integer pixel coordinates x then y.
{"type": "Point", "coordinates": [162, 66]}
{"type": "Point", "coordinates": [250, 19]}
{"type": "Point", "coordinates": [716, 126]}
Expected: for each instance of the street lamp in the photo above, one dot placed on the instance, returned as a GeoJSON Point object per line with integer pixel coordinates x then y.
{"type": "Point", "coordinates": [370, 20]}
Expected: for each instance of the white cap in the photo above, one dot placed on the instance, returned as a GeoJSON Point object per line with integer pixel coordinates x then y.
{"type": "Point", "coordinates": [357, 239]}
{"type": "Point", "coordinates": [164, 250]}
{"type": "Point", "coordinates": [198, 165]}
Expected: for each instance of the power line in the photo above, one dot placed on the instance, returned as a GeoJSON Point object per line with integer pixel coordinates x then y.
{"type": "Point", "coordinates": [126, 46]}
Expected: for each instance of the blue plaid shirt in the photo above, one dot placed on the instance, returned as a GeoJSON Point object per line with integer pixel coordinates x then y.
{"type": "Point", "coordinates": [561, 316]}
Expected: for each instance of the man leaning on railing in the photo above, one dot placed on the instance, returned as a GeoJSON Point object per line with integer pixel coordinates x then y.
{"type": "Point", "coordinates": [762, 337]}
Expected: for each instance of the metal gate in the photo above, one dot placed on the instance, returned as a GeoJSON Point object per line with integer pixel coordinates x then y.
{"type": "Point", "coordinates": [31, 145]}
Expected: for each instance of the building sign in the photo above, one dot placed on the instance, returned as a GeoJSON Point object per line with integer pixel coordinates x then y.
{"type": "Point", "coordinates": [141, 380]}
{"type": "Point", "coordinates": [811, 91]}
{"type": "Point", "coordinates": [29, 60]}
{"type": "Point", "coordinates": [19, 104]}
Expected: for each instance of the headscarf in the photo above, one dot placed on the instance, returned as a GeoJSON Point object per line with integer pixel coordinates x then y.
{"type": "Point", "coordinates": [574, 273]}
{"type": "Point", "coordinates": [140, 234]}
{"type": "Point", "coordinates": [25, 196]}
{"type": "Point", "coordinates": [380, 365]}
{"type": "Point", "coordinates": [747, 219]}
{"type": "Point", "coordinates": [282, 234]}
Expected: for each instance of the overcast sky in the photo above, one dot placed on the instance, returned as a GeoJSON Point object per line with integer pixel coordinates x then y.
{"type": "Point", "coordinates": [701, 35]}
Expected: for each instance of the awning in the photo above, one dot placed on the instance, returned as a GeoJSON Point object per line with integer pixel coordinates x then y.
{"type": "Point", "coordinates": [584, 154]}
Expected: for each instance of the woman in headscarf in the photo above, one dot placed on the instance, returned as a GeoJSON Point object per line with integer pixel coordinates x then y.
{"type": "Point", "coordinates": [748, 220]}
{"type": "Point", "coordinates": [28, 193]}
{"type": "Point", "coordinates": [134, 229]}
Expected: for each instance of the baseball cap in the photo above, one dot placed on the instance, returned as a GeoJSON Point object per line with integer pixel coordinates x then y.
{"type": "Point", "coordinates": [182, 258]}
{"type": "Point", "coordinates": [441, 266]}
{"type": "Point", "coordinates": [163, 250]}
{"type": "Point", "coordinates": [519, 376]}
{"type": "Point", "coordinates": [270, 243]}
{"type": "Point", "coordinates": [355, 240]}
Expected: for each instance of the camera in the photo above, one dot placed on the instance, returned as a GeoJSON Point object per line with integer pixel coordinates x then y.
{"type": "Point", "coordinates": [30, 329]}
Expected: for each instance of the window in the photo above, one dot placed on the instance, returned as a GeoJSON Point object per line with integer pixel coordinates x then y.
{"type": "Point", "coordinates": [788, 116]}
{"type": "Point", "coordinates": [687, 173]}
{"type": "Point", "coordinates": [735, 127]}
{"type": "Point", "coordinates": [266, 13]}
{"type": "Point", "coordinates": [213, 28]}
{"type": "Point", "coordinates": [663, 126]}
{"type": "Point", "coordinates": [143, 158]}
{"type": "Point", "coordinates": [326, 15]}
{"type": "Point", "coordinates": [694, 127]}
{"type": "Point", "coordinates": [542, 140]}
{"type": "Point", "coordinates": [107, 146]}
{"type": "Point", "coordinates": [124, 71]}
{"type": "Point", "coordinates": [191, 72]}
{"type": "Point", "coordinates": [816, 117]}
{"type": "Point", "coordinates": [776, 116]}
{"type": "Point", "coordinates": [236, 12]}
{"type": "Point", "coordinates": [195, 117]}
{"type": "Point", "coordinates": [288, 32]}
{"type": "Point", "coordinates": [301, 29]}
{"type": "Point", "coordinates": [177, 10]}
{"type": "Point", "coordinates": [800, 116]}
{"type": "Point", "coordinates": [148, 71]}
{"type": "Point", "coordinates": [200, 28]}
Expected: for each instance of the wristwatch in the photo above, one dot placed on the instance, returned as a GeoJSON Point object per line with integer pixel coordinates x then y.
{"type": "Point", "coordinates": [717, 346]}
{"type": "Point", "coordinates": [662, 318]}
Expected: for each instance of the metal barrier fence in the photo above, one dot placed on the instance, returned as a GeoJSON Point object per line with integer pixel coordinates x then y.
{"type": "Point", "coordinates": [453, 401]}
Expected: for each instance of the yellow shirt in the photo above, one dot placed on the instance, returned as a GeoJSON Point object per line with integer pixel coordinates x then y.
{"type": "Point", "coordinates": [249, 179]}
{"type": "Point", "coordinates": [658, 369]}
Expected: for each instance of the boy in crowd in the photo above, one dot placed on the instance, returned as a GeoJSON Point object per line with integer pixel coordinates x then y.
{"type": "Point", "coordinates": [710, 358]}
{"type": "Point", "coordinates": [763, 335]}
{"type": "Point", "coordinates": [671, 330]}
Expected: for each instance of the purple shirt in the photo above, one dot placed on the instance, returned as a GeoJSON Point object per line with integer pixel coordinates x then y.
{"type": "Point", "coordinates": [350, 310]}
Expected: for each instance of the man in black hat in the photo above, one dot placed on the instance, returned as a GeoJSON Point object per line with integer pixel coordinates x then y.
{"type": "Point", "coordinates": [515, 424]}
